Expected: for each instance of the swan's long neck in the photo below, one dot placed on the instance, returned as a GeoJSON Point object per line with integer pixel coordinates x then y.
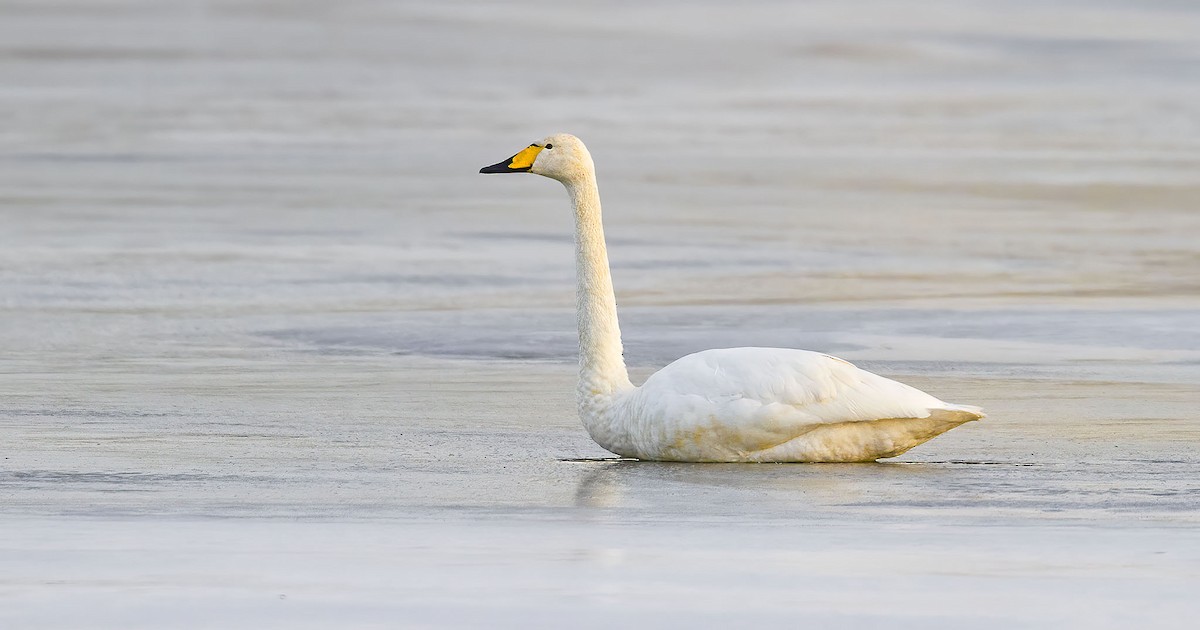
{"type": "Point", "coordinates": [602, 370]}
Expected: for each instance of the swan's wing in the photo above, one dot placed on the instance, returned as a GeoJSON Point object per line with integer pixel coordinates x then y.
{"type": "Point", "coordinates": [757, 398]}
{"type": "Point", "coordinates": [821, 388]}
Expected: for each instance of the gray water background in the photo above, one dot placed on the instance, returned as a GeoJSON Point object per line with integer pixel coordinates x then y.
{"type": "Point", "coordinates": [273, 354]}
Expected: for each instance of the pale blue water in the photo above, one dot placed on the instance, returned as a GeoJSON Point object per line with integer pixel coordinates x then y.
{"type": "Point", "coordinates": [273, 354]}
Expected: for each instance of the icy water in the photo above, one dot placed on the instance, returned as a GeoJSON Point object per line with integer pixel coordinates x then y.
{"type": "Point", "coordinates": [274, 355]}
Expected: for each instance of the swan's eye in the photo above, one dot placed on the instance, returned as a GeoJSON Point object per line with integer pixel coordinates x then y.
{"type": "Point", "coordinates": [549, 146]}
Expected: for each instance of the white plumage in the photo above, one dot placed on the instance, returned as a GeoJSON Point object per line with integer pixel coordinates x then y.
{"type": "Point", "coordinates": [775, 404]}
{"type": "Point", "coordinates": [727, 405]}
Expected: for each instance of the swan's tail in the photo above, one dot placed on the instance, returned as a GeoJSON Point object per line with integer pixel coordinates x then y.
{"type": "Point", "coordinates": [907, 433]}
{"type": "Point", "coordinates": [964, 410]}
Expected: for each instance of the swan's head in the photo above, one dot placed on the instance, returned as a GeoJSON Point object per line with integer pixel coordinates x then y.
{"type": "Point", "coordinates": [560, 156]}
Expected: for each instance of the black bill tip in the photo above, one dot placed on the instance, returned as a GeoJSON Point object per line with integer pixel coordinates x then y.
{"type": "Point", "coordinates": [503, 167]}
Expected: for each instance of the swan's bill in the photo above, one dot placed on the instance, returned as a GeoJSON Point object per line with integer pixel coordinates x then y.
{"type": "Point", "coordinates": [519, 163]}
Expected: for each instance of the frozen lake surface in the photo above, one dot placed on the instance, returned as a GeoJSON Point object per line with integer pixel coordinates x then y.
{"type": "Point", "coordinates": [274, 355]}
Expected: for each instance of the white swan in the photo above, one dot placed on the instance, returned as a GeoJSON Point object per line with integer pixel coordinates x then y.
{"type": "Point", "coordinates": [729, 405]}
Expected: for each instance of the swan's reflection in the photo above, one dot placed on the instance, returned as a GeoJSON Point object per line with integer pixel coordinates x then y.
{"type": "Point", "coordinates": [722, 487]}
{"type": "Point", "coordinates": [601, 487]}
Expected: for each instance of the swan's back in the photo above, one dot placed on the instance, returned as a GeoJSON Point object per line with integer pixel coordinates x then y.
{"type": "Point", "coordinates": [775, 404]}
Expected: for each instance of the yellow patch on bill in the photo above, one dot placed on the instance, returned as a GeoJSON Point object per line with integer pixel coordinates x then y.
{"type": "Point", "coordinates": [525, 158]}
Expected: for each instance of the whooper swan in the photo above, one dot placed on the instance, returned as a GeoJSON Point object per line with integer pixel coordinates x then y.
{"type": "Point", "coordinates": [727, 405]}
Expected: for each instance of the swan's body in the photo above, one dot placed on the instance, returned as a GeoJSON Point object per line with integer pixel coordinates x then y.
{"type": "Point", "coordinates": [729, 405]}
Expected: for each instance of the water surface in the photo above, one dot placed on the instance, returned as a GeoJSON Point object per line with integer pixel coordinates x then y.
{"type": "Point", "coordinates": [275, 355]}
